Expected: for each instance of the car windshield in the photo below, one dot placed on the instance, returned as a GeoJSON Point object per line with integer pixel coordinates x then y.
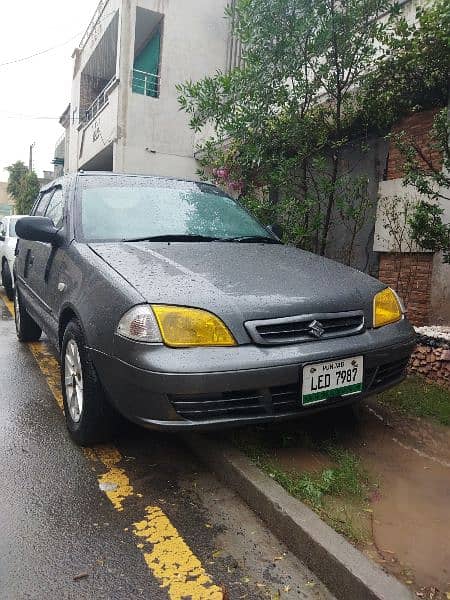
{"type": "Point", "coordinates": [12, 227]}
{"type": "Point", "coordinates": [121, 209]}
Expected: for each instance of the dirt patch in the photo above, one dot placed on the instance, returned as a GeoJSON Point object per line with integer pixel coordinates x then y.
{"type": "Point", "coordinates": [411, 511]}
{"type": "Point", "coordinates": [403, 523]}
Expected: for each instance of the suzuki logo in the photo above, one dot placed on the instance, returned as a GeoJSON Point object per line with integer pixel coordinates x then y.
{"type": "Point", "coordinates": [316, 329]}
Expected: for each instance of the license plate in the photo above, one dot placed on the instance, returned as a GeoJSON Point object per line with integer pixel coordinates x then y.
{"type": "Point", "coordinates": [325, 380]}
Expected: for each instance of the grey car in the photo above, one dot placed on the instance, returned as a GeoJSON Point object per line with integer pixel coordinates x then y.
{"type": "Point", "coordinates": [172, 306]}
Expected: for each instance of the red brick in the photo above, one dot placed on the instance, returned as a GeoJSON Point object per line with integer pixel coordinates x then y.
{"type": "Point", "coordinates": [417, 126]}
{"type": "Point", "coordinates": [410, 276]}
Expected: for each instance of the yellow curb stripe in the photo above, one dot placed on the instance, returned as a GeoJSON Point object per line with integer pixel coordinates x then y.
{"type": "Point", "coordinates": [165, 552]}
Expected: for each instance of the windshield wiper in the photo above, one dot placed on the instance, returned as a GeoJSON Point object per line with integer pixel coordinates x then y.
{"type": "Point", "coordinates": [254, 239]}
{"type": "Point", "coordinates": [175, 238]}
{"type": "Point", "coordinates": [185, 237]}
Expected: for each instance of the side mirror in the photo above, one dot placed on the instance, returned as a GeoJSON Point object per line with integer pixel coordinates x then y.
{"type": "Point", "coordinates": [276, 230]}
{"type": "Point", "coordinates": [37, 229]}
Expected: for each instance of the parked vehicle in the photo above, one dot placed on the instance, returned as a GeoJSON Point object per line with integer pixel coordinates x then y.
{"type": "Point", "coordinates": [8, 241]}
{"type": "Point", "coordinates": [172, 305]}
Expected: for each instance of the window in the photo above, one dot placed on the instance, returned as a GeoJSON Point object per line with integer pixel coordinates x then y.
{"type": "Point", "coordinates": [134, 208]}
{"type": "Point", "coordinates": [147, 53]}
{"type": "Point", "coordinates": [55, 209]}
{"type": "Point", "coordinates": [41, 205]}
{"type": "Point", "coordinates": [2, 230]}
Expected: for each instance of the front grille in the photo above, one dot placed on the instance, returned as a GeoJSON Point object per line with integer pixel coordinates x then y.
{"type": "Point", "coordinates": [286, 399]}
{"type": "Point", "coordinates": [198, 407]}
{"type": "Point", "coordinates": [305, 328]}
{"type": "Point", "coordinates": [249, 403]}
{"type": "Point", "coordinates": [389, 373]}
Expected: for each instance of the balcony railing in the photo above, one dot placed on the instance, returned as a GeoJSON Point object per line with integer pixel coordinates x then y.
{"type": "Point", "coordinates": [99, 102]}
{"type": "Point", "coordinates": [93, 23]}
{"type": "Point", "coordinates": [145, 83]}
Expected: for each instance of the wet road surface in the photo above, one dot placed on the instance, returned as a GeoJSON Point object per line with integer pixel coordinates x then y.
{"type": "Point", "coordinates": [138, 519]}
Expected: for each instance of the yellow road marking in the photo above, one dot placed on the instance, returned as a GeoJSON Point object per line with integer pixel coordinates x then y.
{"type": "Point", "coordinates": [50, 369]}
{"type": "Point", "coordinates": [165, 552]}
{"type": "Point", "coordinates": [171, 560]}
{"type": "Point", "coordinates": [9, 305]}
{"type": "Point", "coordinates": [115, 477]}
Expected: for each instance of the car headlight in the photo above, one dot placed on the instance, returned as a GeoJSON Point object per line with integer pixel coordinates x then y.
{"type": "Point", "coordinates": [387, 308]}
{"type": "Point", "coordinates": [183, 327]}
{"type": "Point", "coordinates": [176, 326]}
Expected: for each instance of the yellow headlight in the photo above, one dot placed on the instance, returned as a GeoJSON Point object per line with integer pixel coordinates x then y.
{"type": "Point", "coordinates": [386, 308]}
{"type": "Point", "coordinates": [186, 327]}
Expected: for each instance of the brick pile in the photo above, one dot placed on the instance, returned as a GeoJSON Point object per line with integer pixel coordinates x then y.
{"type": "Point", "coordinates": [431, 360]}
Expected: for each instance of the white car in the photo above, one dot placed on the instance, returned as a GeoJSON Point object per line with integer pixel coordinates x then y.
{"type": "Point", "coordinates": [8, 240]}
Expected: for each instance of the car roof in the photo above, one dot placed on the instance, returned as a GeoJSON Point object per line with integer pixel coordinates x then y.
{"type": "Point", "coordinates": [69, 177]}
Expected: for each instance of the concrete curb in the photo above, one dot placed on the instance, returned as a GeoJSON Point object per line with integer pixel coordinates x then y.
{"type": "Point", "coordinates": [347, 573]}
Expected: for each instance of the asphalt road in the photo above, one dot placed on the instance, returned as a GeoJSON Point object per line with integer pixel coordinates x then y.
{"type": "Point", "coordinates": [137, 519]}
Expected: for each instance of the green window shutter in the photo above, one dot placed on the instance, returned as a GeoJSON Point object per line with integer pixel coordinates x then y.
{"type": "Point", "coordinates": [146, 67]}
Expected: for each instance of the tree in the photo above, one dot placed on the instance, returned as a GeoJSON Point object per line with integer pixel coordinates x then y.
{"type": "Point", "coordinates": [413, 76]}
{"type": "Point", "coordinates": [29, 190]}
{"type": "Point", "coordinates": [430, 180]}
{"type": "Point", "coordinates": [412, 73]}
{"type": "Point", "coordinates": [23, 186]}
{"type": "Point", "coordinates": [282, 118]}
{"type": "Point", "coordinates": [16, 173]}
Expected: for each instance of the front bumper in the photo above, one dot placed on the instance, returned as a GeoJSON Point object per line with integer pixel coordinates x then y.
{"type": "Point", "coordinates": [206, 388]}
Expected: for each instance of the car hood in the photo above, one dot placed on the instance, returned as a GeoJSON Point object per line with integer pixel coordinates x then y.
{"type": "Point", "coordinates": [240, 281]}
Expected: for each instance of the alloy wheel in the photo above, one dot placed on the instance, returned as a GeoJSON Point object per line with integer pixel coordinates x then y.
{"type": "Point", "coordinates": [17, 311]}
{"type": "Point", "coordinates": [73, 380]}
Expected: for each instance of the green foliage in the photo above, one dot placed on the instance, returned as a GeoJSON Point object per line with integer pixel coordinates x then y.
{"type": "Point", "coordinates": [17, 172]}
{"type": "Point", "coordinates": [433, 181]}
{"type": "Point", "coordinates": [312, 75]}
{"type": "Point", "coordinates": [412, 74]}
{"type": "Point", "coordinates": [419, 398]}
{"type": "Point", "coordinates": [273, 131]}
{"type": "Point", "coordinates": [23, 186]}
{"type": "Point", "coordinates": [345, 478]}
{"type": "Point", "coordinates": [29, 190]}
{"type": "Point", "coordinates": [428, 229]}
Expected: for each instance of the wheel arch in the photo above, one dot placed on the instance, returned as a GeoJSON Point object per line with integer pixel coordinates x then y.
{"type": "Point", "coordinates": [68, 314]}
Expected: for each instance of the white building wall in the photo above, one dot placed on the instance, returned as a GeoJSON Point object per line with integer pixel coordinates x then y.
{"type": "Point", "coordinates": [97, 28]}
{"type": "Point", "coordinates": [156, 137]}
{"type": "Point", "coordinates": [150, 135]}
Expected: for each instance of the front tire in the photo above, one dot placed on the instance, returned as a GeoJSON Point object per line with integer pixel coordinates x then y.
{"type": "Point", "coordinates": [90, 418]}
{"type": "Point", "coordinates": [7, 280]}
{"type": "Point", "coordinates": [26, 328]}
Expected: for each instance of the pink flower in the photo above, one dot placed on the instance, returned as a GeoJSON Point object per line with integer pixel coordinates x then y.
{"type": "Point", "coordinates": [236, 185]}
{"type": "Point", "coordinates": [222, 173]}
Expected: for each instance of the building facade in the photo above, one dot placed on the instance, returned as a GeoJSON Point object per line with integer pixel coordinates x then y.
{"type": "Point", "coordinates": [124, 114]}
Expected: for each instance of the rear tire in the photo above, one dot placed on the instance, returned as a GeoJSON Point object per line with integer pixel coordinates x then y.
{"type": "Point", "coordinates": [26, 328]}
{"type": "Point", "coordinates": [90, 418]}
{"type": "Point", "coordinates": [7, 280]}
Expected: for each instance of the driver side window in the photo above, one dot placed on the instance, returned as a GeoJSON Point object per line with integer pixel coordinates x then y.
{"type": "Point", "coordinates": [42, 205]}
{"type": "Point", "coordinates": [55, 209]}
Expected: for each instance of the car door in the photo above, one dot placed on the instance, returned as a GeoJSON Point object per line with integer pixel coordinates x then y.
{"type": "Point", "coordinates": [56, 211]}
{"type": "Point", "coordinates": [35, 260]}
